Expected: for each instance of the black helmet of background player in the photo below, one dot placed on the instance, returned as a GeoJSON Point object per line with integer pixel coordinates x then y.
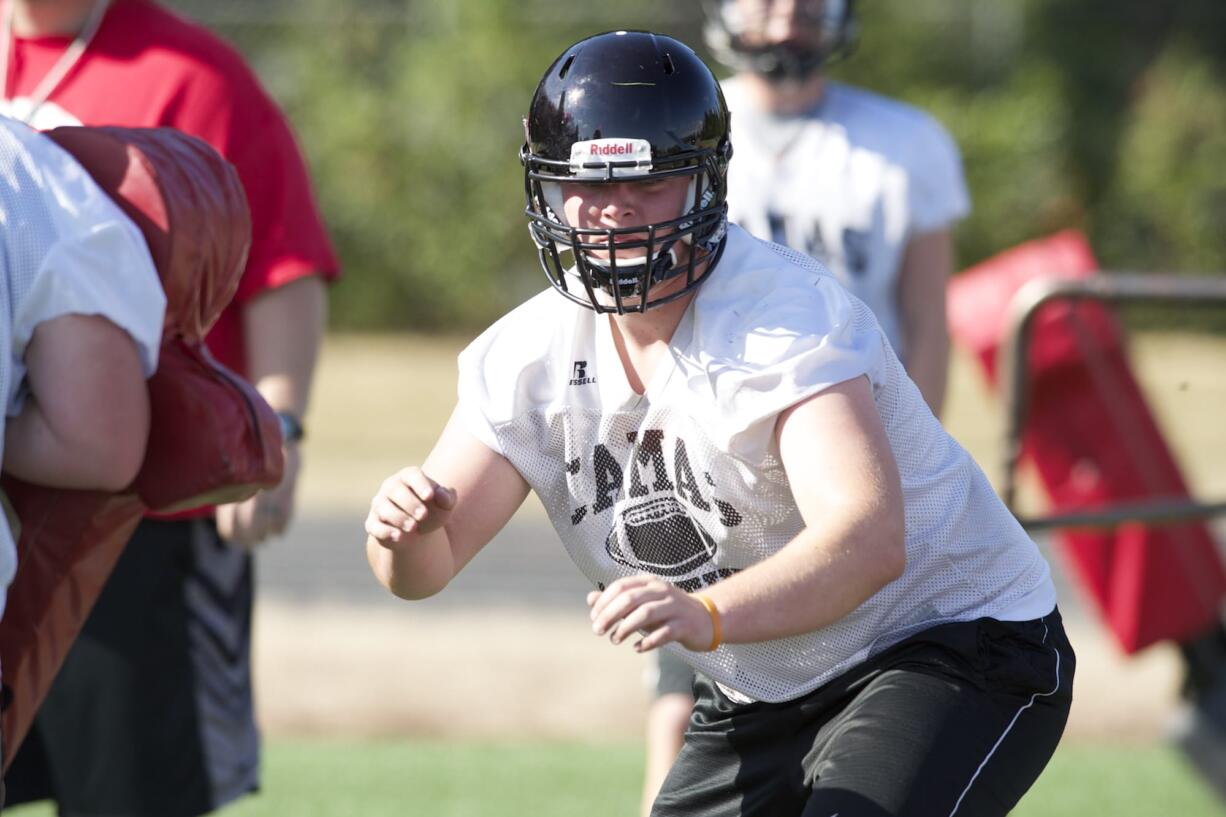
{"type": "Point", "coordinates": [627, 106]}
{"type": "Point", "coordinates": [745, 35]}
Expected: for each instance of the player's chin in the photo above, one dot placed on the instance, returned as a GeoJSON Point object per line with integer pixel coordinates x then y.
{"type": "Point", "coordinates": [629, 303]}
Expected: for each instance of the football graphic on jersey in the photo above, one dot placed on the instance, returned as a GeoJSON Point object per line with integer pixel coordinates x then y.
{"type": "Point", "coordinates": [657, 536]}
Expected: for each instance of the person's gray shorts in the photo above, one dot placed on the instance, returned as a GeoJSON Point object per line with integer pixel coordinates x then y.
{"type": "Point", "coordinates": [672, 677]}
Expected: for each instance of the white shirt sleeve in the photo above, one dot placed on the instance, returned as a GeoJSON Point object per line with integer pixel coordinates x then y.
{"type": "Point", "coordinates": [69, 249]}
{"type": "Point", "coordinates": [473, 394]}
{"type": "Point", "coordinates": [105, 271]}
{"type": "Point", "coordinates": [509, 370]}
{"type": "Point", "coordinates": [775, 338]}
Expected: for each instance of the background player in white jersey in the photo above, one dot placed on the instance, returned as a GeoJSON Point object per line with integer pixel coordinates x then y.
{"type": "Point", "coordinates": [730, 451]}
{"type": "Point", "coordinates": [81, 312]}
{"type": "Point", "coordinates": [867, 185]}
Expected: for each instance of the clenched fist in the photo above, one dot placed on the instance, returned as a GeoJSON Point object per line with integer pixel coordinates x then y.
{"type": "Point", "coordinates": [656, 610]}
{"type": "Point", "coordinates": [408, 502]}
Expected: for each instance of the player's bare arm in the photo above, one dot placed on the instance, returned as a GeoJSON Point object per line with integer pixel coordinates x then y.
{"type": "Point", "coordinates": [927, 263]}
{"type": "Point", "coordinates": [85, 422]}
{"type": "Point", "coordinates": [426, 523]}
{"type": "Point", "coordinates": [284, 328]}
{"type": "Point", "coordinates": [848, 491]}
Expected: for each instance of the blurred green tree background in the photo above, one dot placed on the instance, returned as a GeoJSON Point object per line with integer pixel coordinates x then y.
{"type": "Point", "coordinates": [1105, 115]}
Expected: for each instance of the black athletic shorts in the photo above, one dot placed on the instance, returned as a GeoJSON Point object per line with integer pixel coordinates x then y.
{"type": "Point", "coordinates": [6, 698]}
{"type": "Point", "coordinates": [152, 712]}
{"type": "Point", "coordinates": [956, 720]}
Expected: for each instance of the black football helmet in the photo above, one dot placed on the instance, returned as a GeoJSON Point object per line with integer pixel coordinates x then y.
{"type": "Point", "coordinates": [834, 21]}
{"type": "Point", "coordinates": [626, 106]}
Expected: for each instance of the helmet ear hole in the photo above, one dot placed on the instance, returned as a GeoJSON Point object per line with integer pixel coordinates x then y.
{"type": "Point", "coordinates": [552, 193]}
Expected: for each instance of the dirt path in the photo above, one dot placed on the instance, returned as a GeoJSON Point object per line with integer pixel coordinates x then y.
{"type": "Point", "coordinates": [502, 672]}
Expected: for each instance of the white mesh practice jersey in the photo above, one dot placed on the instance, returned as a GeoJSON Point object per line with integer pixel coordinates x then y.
{"type": "Point", "coordinates": [684, 481]}
{"type": "Point", "coordinates": [848, 182]}
{"type": "Point", "coordinates": [67, 249]}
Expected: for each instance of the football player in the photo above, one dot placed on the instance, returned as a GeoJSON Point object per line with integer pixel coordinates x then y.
{"type": "Point", "coordinates": [731, 453]}
{"type": "Point", "coordinates": [866, 184]}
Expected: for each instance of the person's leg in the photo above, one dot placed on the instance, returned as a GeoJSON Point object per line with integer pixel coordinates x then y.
{"type": "Point", "coordinates": [966, 738]}
{"type": "Point", "coordinates": [667, 719]}
{"type": "Point", "coordinates": [737, 760]}
{"type": "Point", "coordinates": [1199, 729]}
{"type": "Point", "coordinates": [151, 712]}
{"type": "Point", "coordinates": [959, 719]}
{"type": "Point", "coordinates": [5, 700]}
{"type": "Point", "coordinates": [220, 593]}
{"type": "Point", "coordinates": [666, 722]}
{"type": "Point", "coordinates": [28, 779]}
{"type": "Point", "coordinates": [103, 729]}
{"type": "Point", "coordinates": [1, 768]}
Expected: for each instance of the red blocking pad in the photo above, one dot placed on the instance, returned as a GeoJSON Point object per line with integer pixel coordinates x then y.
{"type": "Point", "coordinates": [68, 544]}
{"type": "Point", "coordinates": [212, 437]}
{"type": "Point", "coordinates": [1094, 443]}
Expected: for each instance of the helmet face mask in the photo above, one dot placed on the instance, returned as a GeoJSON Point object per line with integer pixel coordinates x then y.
{"type": "Point", "coordinates": [739, 33]}
{"type": "Point", "coordinates": [624, 108]}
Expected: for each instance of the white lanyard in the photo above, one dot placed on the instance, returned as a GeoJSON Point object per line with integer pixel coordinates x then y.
{"type": "Point", "coordinates": [62, 66]}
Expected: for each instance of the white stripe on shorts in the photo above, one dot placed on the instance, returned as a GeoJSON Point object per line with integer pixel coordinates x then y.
{"type": "Point", "coordinates": [1005, 734]}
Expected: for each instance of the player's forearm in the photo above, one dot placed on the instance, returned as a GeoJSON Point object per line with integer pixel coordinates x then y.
{"type": "Point", "coordinates": [417, 568]}
{"type": "Point", "coordinates": [927, 263]}
{"type": "Point", "coordinates": [36, 451]}
{"type": "Point", "coordinates": [284, 329]}
{"type": "Point", "coordinates": [928, 364]}
{"type": "Point", "coordinates": [85, 422]}
{"type": "Point", "coordinates": [818, 578]}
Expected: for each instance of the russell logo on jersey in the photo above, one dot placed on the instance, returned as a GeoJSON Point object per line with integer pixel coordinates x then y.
{"type": "Point", "coordinates": [579, 374]}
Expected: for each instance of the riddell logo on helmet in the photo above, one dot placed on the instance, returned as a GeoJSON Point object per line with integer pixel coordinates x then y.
{"type": "Point", "coordinates": [619, 149]}
{"type": "Point", "coordinates": [598, 158]}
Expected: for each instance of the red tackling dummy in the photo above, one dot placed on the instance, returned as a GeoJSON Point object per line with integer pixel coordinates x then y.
{"type": "Point", "coordinates": [1094, 443]}
{"type": "Point", "coordinates": [212, 437]}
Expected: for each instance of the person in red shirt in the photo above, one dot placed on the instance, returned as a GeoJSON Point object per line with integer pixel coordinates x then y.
{"type": "Point", "coordinates": [152, 712]}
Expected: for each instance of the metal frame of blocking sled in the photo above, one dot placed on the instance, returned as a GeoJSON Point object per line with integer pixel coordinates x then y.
{"type": "Point", "coordinates": [1126, 523]}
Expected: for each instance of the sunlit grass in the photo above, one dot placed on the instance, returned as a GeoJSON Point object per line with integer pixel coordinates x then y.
{"type": "Point", "coordinates": [457, 779]}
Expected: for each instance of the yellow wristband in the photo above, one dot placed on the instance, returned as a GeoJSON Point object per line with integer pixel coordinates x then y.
{"type": "Point", "coordinates": [717, 632]}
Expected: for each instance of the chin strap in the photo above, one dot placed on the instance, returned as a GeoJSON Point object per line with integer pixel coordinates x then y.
{"type": "Point", "coordinates": [780, 65]}
{"type": "Point", "coordinates": [663, 266]}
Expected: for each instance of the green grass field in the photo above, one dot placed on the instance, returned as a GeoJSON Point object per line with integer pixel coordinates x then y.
{"type": "Point", "coordinates": [457, 779]}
